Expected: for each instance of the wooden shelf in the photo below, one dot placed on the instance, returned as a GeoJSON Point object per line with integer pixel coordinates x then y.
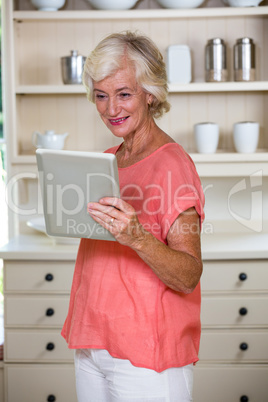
{"type": "Point", "coordinates": [204, 12]}
{"type": "Point", "coordinates": [217, 157]}
{"type": "Point", "coordinates": [50, 89]}
{"type": "Point", "coordinates": [215, 165]}
{"type": "Point", "coordinates": [226, 157]}
{"type": "Point", "coordinates": [219, 87]}
{"type": "Point", "coordinates": [173, 88]}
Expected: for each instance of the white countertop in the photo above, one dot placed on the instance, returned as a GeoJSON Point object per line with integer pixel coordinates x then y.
{"type": "Point", "coordinates": [37, 247]}
{"type": "Point", "coordinates": [235, 246]}
{"type": "Point", "coordinates": [214, 246]}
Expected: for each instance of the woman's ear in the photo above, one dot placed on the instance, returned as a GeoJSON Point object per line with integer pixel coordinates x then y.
{"type": "Point", "coordinates": [149, 99]}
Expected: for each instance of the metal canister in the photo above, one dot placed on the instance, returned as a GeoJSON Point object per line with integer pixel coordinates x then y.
{"type": "Point", "coordinates": [72, 68]}
{"type": "Point", "coordinates": [215, 60]}
{"type": "Point", "coordinates": [244, 60]}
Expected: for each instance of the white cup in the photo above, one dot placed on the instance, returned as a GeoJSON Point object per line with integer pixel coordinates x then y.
{"type": "Point", "coordinates": [206, 137]}
{"type": "Point", "coordinates": [246, 136]}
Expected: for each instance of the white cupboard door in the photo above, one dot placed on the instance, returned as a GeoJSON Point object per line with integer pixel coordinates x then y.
{"type": "Point", "coordinates": [35, 311]}
{"type": "Point", "coordinates": [234, 311]}
{"type": "Point", "coordinates": [237, 346]}
{"type": "Point", "coordinates": [234, 276]}
{"type": "Point", "coordinates": [229, 383]}
{"type": "Point", "coordinates": [36, 346]}
{"type": "Point", "coordinates": [38, 276]}
{"type": "Point", "coordinates": [36, 383]}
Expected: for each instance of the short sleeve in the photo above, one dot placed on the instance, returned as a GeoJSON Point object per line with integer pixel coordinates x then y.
{"type": "Point", "coordinates": [183, 190]}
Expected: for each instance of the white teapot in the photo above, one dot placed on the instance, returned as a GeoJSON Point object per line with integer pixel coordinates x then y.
{"type": "Point", "coordinates": [48, 140]}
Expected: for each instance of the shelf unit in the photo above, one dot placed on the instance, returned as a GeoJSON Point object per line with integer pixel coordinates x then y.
{"type": "Point", "coordinates": [39, 100]}
{"type": "Point", "coordinates": [35, 98]}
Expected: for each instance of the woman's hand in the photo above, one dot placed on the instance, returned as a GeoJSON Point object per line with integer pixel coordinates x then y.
{"type": "Point", "coordinates": [119, 218]}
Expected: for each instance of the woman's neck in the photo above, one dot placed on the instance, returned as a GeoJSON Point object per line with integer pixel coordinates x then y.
{"type": "Point", "coordinates": [138, 146]}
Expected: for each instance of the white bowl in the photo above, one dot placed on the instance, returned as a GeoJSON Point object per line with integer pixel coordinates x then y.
{"type": "Point", "coordinates": [48, 5]}
{"type": "Point", "coordinates": [243, 3]}
{"type": "Point", "coordinates": [180, 3]}
{"type": "Point", "coordinates": [112, 4]}
{"type": "Point", "coordinates": [39, 225]}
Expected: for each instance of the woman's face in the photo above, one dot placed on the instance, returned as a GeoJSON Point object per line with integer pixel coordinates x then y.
{"type": "Point", "coordinates": [122, 104]}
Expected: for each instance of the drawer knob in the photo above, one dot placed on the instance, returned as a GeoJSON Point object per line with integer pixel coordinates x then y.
{"type": "Point", "coordinates": [51, 398]}
{"type": "Point", "coordinates": [49, 277]}
{"type": "Point", "coordinates": [243, 311]}
{"type": "Point", "coordinates": [243, 276]}
{"type": "Point", "coordinates": [244, 398]}
{"type": "Point", "coordinates": [243, 346]}
{"type": "Point", "coordinates": [50, 312]}
{"type": "Point", "coordinates": [50, 346]}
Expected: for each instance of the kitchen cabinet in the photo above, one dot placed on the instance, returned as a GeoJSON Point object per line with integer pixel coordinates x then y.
{"type": "Point", "coordinates": [234, 342]}
{"type": "Point", "coordinates": [37, 358]}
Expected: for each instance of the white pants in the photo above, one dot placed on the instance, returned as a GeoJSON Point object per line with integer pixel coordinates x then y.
{"type": "Point", "coordinates": [102, 378]}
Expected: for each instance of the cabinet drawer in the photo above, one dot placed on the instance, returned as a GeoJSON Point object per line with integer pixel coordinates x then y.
{"type": "Point", "coordinates": [234, 311]}
{"type": "Point", "coordinates": [32, 382]}
{"type": "Point", "coordinates": [35, 311]}
{"type": "Point", "coordinates": [36, 346]}
{"type": "Point", "coordinates": [234, 275]}
{"type": "Point", "coordinates": [238, 346]}
{"type": "Point", "coordinates": [38, 276]}
{"type": "Point", "coordinates": [228, 383]}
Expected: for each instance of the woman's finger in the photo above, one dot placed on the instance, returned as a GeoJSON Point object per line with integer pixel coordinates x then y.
{"type": "Point", "coordinates": [106, 212]}
{"type": "Point", "coordinates": [116, 227]}
{"type": "Point", "coordinates": [117, 203]}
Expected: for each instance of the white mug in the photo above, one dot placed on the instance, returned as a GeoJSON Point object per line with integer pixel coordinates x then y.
{"type": "Point", "coordinates": [206, 137]}
{"type": "Point", "coordinates": [246, 136]}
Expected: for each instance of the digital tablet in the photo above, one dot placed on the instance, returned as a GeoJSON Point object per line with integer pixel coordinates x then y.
{"type": "Point", "coordinates": [68, 181]}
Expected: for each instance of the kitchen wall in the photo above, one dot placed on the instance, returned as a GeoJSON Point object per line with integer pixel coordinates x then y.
{"type": "Point", "coordinates": [236, 204]}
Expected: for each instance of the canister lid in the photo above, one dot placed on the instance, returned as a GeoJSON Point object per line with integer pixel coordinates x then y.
{"type": "Point", "coordinates": [244, 41]}
{"type": "Point", "coordinates": [215, 41]}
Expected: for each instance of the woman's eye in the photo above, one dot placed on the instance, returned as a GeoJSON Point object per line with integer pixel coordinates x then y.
{"type": "Point", "coordinates": [124, 95]}
{"type": "Point", "coordinates": [100, 96]}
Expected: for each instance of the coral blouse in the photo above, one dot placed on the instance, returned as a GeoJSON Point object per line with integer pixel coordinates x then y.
{"type": "Point", "coordinates": [117, 303]}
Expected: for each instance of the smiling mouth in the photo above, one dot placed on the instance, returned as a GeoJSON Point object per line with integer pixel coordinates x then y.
{"type": "Point", "coordinates": [118, 121]}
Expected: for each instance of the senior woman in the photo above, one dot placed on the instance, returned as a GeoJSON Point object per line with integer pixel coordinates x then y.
{"type": "Point", "coordinates": [134, 314]}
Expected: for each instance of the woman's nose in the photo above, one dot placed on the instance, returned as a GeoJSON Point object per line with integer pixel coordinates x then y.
{"type": "Point", "coordinates": [113, 107]}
